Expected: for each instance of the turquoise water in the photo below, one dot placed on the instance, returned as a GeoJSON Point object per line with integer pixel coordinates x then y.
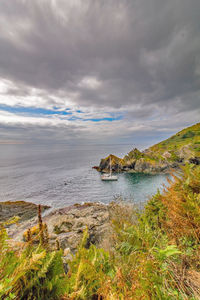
{"type": "Point", "coordinates": [61, 175]}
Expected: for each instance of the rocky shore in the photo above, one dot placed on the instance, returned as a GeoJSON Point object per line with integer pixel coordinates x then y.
{"type": "Point", "coordinates": [22, 209]}
{"type": "Point", "coordinates": [67, 225]}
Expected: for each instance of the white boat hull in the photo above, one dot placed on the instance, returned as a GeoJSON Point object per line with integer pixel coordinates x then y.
{"type": "Point", "coordinates": [109, 178]}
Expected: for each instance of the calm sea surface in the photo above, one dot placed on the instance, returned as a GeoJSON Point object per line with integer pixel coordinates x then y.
{"type": "Point", "coordinates": [62, 175]}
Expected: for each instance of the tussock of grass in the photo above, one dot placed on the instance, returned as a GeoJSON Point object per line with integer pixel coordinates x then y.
{"type": "Point", "coordinates": [153, 254]}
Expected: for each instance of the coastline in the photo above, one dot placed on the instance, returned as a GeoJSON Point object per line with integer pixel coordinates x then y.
{"type": "Point", "coordinates": [66, 224]}
{"type": "Point", "coordinates": [23, 209]}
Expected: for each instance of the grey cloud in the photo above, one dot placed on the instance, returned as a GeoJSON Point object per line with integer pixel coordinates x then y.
{"type": "Point", "coordinates": [55, 45]}
{"type": "Point", "coordinates": [144, 52]}
{"type": "Point", "coordinates": [31, 133]}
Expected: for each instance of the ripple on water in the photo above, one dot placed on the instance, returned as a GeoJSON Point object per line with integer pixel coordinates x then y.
{"type": "Point", "coordinates": [63, 175]}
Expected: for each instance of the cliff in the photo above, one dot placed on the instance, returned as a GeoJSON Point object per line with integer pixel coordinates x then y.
{"type": "Point", "coordinates": [181, 148]}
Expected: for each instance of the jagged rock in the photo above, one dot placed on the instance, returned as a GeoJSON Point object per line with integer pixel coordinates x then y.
{"type": "Point", "coordinates": [141, 165]}
{"type": "Point", "coordinates": [116, 163]}
{"type": "Point", "coordinates": [185, 153]}
{"type": "Point", "coordinates": [166, 154]}
{"type": "Point", "coordinates": [133, 155]}
{"type": "Point", "coordinates": [173, 152]}
{"type": "Point", "coordinates": [70, 227]}
{"type": "Point", "coordinates": [67, 225]}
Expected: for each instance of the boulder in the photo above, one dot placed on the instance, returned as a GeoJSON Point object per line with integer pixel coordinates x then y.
{"type": "Point", "coordinates": [185, 153]}
{"type": "Point", "coordinates": [166, 154]}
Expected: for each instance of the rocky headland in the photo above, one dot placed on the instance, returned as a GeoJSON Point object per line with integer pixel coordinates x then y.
{"type": "Point", "coordinates": [181, 148]}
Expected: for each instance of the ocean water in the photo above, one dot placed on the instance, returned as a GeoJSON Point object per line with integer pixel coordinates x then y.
{"type": "Point", "coordinates": [61, 175]}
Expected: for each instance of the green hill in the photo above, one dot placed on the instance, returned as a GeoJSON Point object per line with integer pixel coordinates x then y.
{"type": "Point", "coordinates": [181, 148]}
{"type": "Point", "coordinates": [188, 138]}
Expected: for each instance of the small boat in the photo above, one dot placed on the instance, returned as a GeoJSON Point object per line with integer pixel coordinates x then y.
{"type": "Point", "coordinates": [109, 177]}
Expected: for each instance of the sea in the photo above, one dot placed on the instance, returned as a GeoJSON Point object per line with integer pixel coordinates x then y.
{"type": "Point", "coordinates": [61, 175]}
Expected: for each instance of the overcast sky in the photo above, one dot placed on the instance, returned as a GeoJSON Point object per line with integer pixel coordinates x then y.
{"type": "Point", "coordinates": [98, 71]}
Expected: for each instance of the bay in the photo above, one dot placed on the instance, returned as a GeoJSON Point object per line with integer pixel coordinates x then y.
{"type": "Point", "coordinates": [61, 175]}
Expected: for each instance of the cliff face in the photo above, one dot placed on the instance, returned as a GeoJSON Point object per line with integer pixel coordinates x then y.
{"type": "Point", "coordinates": [181, 148]}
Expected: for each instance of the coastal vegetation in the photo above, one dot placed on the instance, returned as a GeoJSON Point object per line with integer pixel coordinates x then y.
{"type": "Point", "coordinates": [153, 253]}
{"type": "Point", "coordinates": [181, 148]}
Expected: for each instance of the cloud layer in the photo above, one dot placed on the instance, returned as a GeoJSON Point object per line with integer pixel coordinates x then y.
{"type": "Point", "coordinates": [114, 70]}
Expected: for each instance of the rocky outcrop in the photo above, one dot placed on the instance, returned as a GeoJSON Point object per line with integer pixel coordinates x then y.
{"type": "Point", "coordinates": [178, 150]}
{"type": "Point", "coordinates": [148, 162]}
{"type": "Point", "coordinates": [67, 225]}
{"type": "Point", "coordinates": [115, 162]}
{"type": "Point", "coordinates": [138, 162]}
{"type": "Point", "coordinates": [185, 153]}
{"type": "Point", "coordinates": [22, 209]}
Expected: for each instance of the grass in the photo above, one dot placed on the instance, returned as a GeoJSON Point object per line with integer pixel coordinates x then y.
{"type": "Point", "coordinates": [189, 137]}
{"type": "Point", "coordinates": [152, 254]}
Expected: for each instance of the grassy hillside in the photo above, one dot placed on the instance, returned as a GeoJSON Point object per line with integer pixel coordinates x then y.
{"type": "Point", "coordinates": [189, 137]}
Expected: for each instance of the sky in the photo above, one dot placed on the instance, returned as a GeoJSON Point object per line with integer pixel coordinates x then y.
{"type": "Point", "coordinates": [98, 71]}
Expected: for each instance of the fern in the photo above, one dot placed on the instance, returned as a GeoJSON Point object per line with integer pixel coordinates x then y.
{"type": "Point", "coordinates": [31, 272]}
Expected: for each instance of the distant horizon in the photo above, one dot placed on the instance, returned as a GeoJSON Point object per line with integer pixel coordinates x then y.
{"type": "Point", "coordinates": [49, 142]}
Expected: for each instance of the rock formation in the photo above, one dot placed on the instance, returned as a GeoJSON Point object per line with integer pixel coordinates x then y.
{"type": "Point", "coordinates": [25, 210]}
{"type": "Point", "coordinates": [181, 148]}
{"type": "Point", "coordinates": [67, 225]}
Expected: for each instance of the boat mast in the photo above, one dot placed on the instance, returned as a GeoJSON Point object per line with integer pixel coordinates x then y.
{"type": "Point", "coordinates": [110, 167]}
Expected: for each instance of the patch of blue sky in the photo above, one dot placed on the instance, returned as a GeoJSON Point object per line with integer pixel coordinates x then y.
{"type": "Point", "coordinates": [109, 119]}
{"type": "Point", "coordinates": [34, 110]}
